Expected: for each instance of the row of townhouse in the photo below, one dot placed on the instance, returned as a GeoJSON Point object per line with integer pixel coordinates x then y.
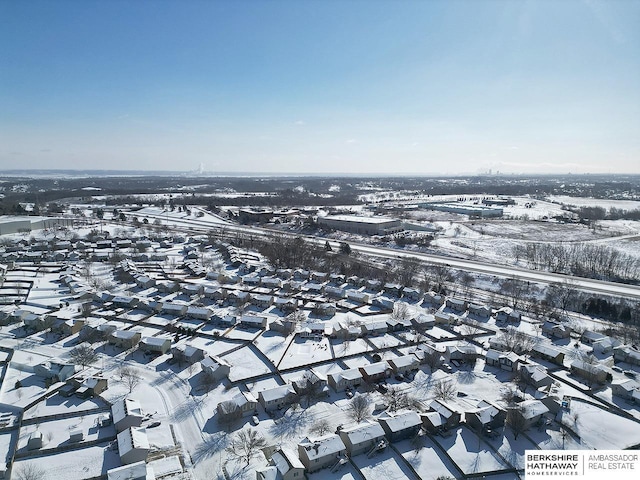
{"type": "Point", "coordinates": [372, 373]}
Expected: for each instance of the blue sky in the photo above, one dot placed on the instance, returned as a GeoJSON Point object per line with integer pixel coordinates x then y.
{"type": "Point", "coordinates": [427, 87]}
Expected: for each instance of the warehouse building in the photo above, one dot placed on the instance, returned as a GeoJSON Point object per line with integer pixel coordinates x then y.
{"type": "Point", "coordinates": [362, 225]}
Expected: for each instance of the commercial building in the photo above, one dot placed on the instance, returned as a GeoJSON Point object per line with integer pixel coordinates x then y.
{"type": "Point", "coordinates": [362, 225]}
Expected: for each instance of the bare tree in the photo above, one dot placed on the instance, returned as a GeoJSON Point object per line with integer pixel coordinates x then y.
{"type": "Point", "coordinates": [509, 395]}
{"type": "Point", "coordinates": [440, 275]}
{"type": "Point", "coordinates": [400, 311]}
{"type": "Point", "coordinates": [245, 445]}
{"type": "Point", "coordinates": [83, 355]}
{"type": "Point", "coordinates": [517, 291]}
{"type": "Point", "coordinates": [397, 399]}
{"type": "Point", "coordinates": [129, 377]}
{"type": "Point", "coordinates": [359, 408]}
{"type": "Point", "coordinates": [310, 388]}
{"type": "Point", "coordinates": [30, 471]}
{"type": "Point", "coordinates": [444, 389]}
{"type": "Point", "coordinates": [517, 341]}
{"type": "Point", "coordinates": [516, 420]}
{"type": "Point", "coordinates": [320, 427]}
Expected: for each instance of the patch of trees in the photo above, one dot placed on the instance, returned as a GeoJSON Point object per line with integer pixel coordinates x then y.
{"type": "Point", "coordinates": [582, 260]}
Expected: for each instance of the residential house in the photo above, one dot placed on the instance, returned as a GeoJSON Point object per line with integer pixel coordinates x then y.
{"type": "Point", "coordinates": [556, 329]}
{"type": "Point", "coordinates": [311, 380]}
{"type": "Point", "coordinates": [507, 315]}
{"type": "Point", "coordinates": [335, 292]}
{"type": "Point", "coordinates": [262, 301]}
{"type": "Point", "coordinates": [238, 297]}
{"type": "Point", "coordinates": [383, 303]}
{"type": "Point", "coordinates": [156, 345]}
{"type": "Point", "coordinates": [373, 285]}
{"type": "Point", "coordinates": [506, 361]}
{"type": "Point", "coordinates": [33, 322]}
{"type": "Point", "coordinates": [344, 379]}
{"type": "Point", "coordinates": [286, 305]}
{"type": "Point", "coordinates": [126, 413]}
{"type": "Point", "coordinates": [192, 289]}
{"type": "Point", "coordinates": [321, 452]}
{"type": "Point", "coordinates": [423, 322]}
{"type": "Point", "coordinates": [456, 304]}
{"type": "Point", "coordinates": [271, 282]}
{"type": "Point", "coordinates": [393, 289]}
{"type": "Point", "coordinates": [412, 294]}
{"type": "Point", "coordinates": [277, 397]}
{"type": "Point", "coordinates": [343, 331]}
{"type": "Point", "coordinates": [592, 373]}
{"type": "Point", "coordinates": [375, 328]}
{"type": "Point", "coordinates": [67, 326]}
{"type": "Point", "coordinates": [463, 352]}
{"type": "Point", "coordinates": [187, 353]}
{"type": "Point", "coordinates": [125, 338]}
{"type": "Point", "coordinates": [536, 375]}
{"type": "Point", "coordinates": [325, 309]}
{"type": "Point", "coordinates": [433, 299]}
{"type": "Point", "coordinates": [375, 372]}
{"type": "Point", "coordinates": [479, 311]}
{"type": "Point", "coordinates": [242, 405]}
{"type": "Point", "coordinates": [444, 318]}
{"type": "Point", "coordinates": [283, 326]}
{"type": "Point", "coordinates": [133, 471]}
{"type": "Point", "coordinates": [283, 465]}
{"type": "Point", "coordinates": [403, 364]}
{"type": "Point", "coordinates": [174, 309]}
{"type": "Point", "coordinates": [548, 353]}
{"type": "Point", "coordinates": [433, 422]}
{"type": "Point", "coordinates": [57, 370]}
{"type": "Point", "coordinates": [485, 417]}
{"type": "Point", "coordinates": [400, 425]}
{"type": "Point", "coordinates": [120, 301]}
{"type": "Point", "coordinates": [199, 313]}
{"type": "Point", "coordinates": [254, 321]}
{"type": "Point", "coordinates": [215, 367]}
{"type": "Point", "coordinates": [530, 412]}
{"type": "Point", "coordinates": [398, 325]}
{"type": "Point", "coordinates": [628, 389]}
{"type": "Point", "coordinates": [363, 438]}
{"type": "Point", "coordinates": [133, 445]}
{"type": "Point", "coordinates": [362, 298]}
{"type": "Point", "coordinates": [627, 354]}
{"type": "Point", "coordinates": [449, 416]}
{"type": "Point", "coordinates": [91, 387]}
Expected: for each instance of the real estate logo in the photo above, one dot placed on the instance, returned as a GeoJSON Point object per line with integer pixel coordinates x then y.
{"type": "Point", "coordinates": [583, 464]}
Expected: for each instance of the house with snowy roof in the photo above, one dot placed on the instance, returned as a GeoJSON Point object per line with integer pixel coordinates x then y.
{"type": "Point", "coordinates": [277, 397]}
{"type": "Point", "coordinates": [548, 353]}
{"type": "Point", "coordinates": [530, 412]}
{"type": "Point", "coordinates": [344, 379]}
{"type": "Point", "coordinates": [485, 416]}
{"type": "Point", "coordinates": [283, 465]}
{"type": "Point", "coordinates": [363, 438]}
{"type": "Point", "coordinates": [215, 367]}
{"type": "Point", "coordinates": [126, 413]}
{"type": "Point", "coordinates": [627, 354]}
{"type": "Point", "coordinates": [124, 338]}
{"type": "Point", "coordinates": [187, 354]}
{"type": "Point", "coordinates": [403, 364]}
{"type": "Point", "coordinates": [56, 369]}
{"type": "Point", "coordinates": [400, 425]}
{"type": "Point", "coordinates": [156, 345]}
{"type": "Point", "coordinates": [133, 471]}
{"type": "Point", "coordinates": [556, 329]}
{"type": "Point", "coordinates": [317, 453]}
{"type": "Point", "coordinates": [503, 360]}
{"type": "Point", "coordinates": [375, 372]}
{"type": "Point", "coordinates": [242, 405]}
{"type": "Point", "coordinates": [628, 389]}
{"type": "Point", "coordinates": [449, 416]}
{"type": "Point", "coordinates": [535, 375]}
{"type": "Point", "coordinates": [133, 445]}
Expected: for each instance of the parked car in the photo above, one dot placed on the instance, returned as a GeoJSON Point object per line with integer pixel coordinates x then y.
{"type": "Point", "coordinates": [255, 420]}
